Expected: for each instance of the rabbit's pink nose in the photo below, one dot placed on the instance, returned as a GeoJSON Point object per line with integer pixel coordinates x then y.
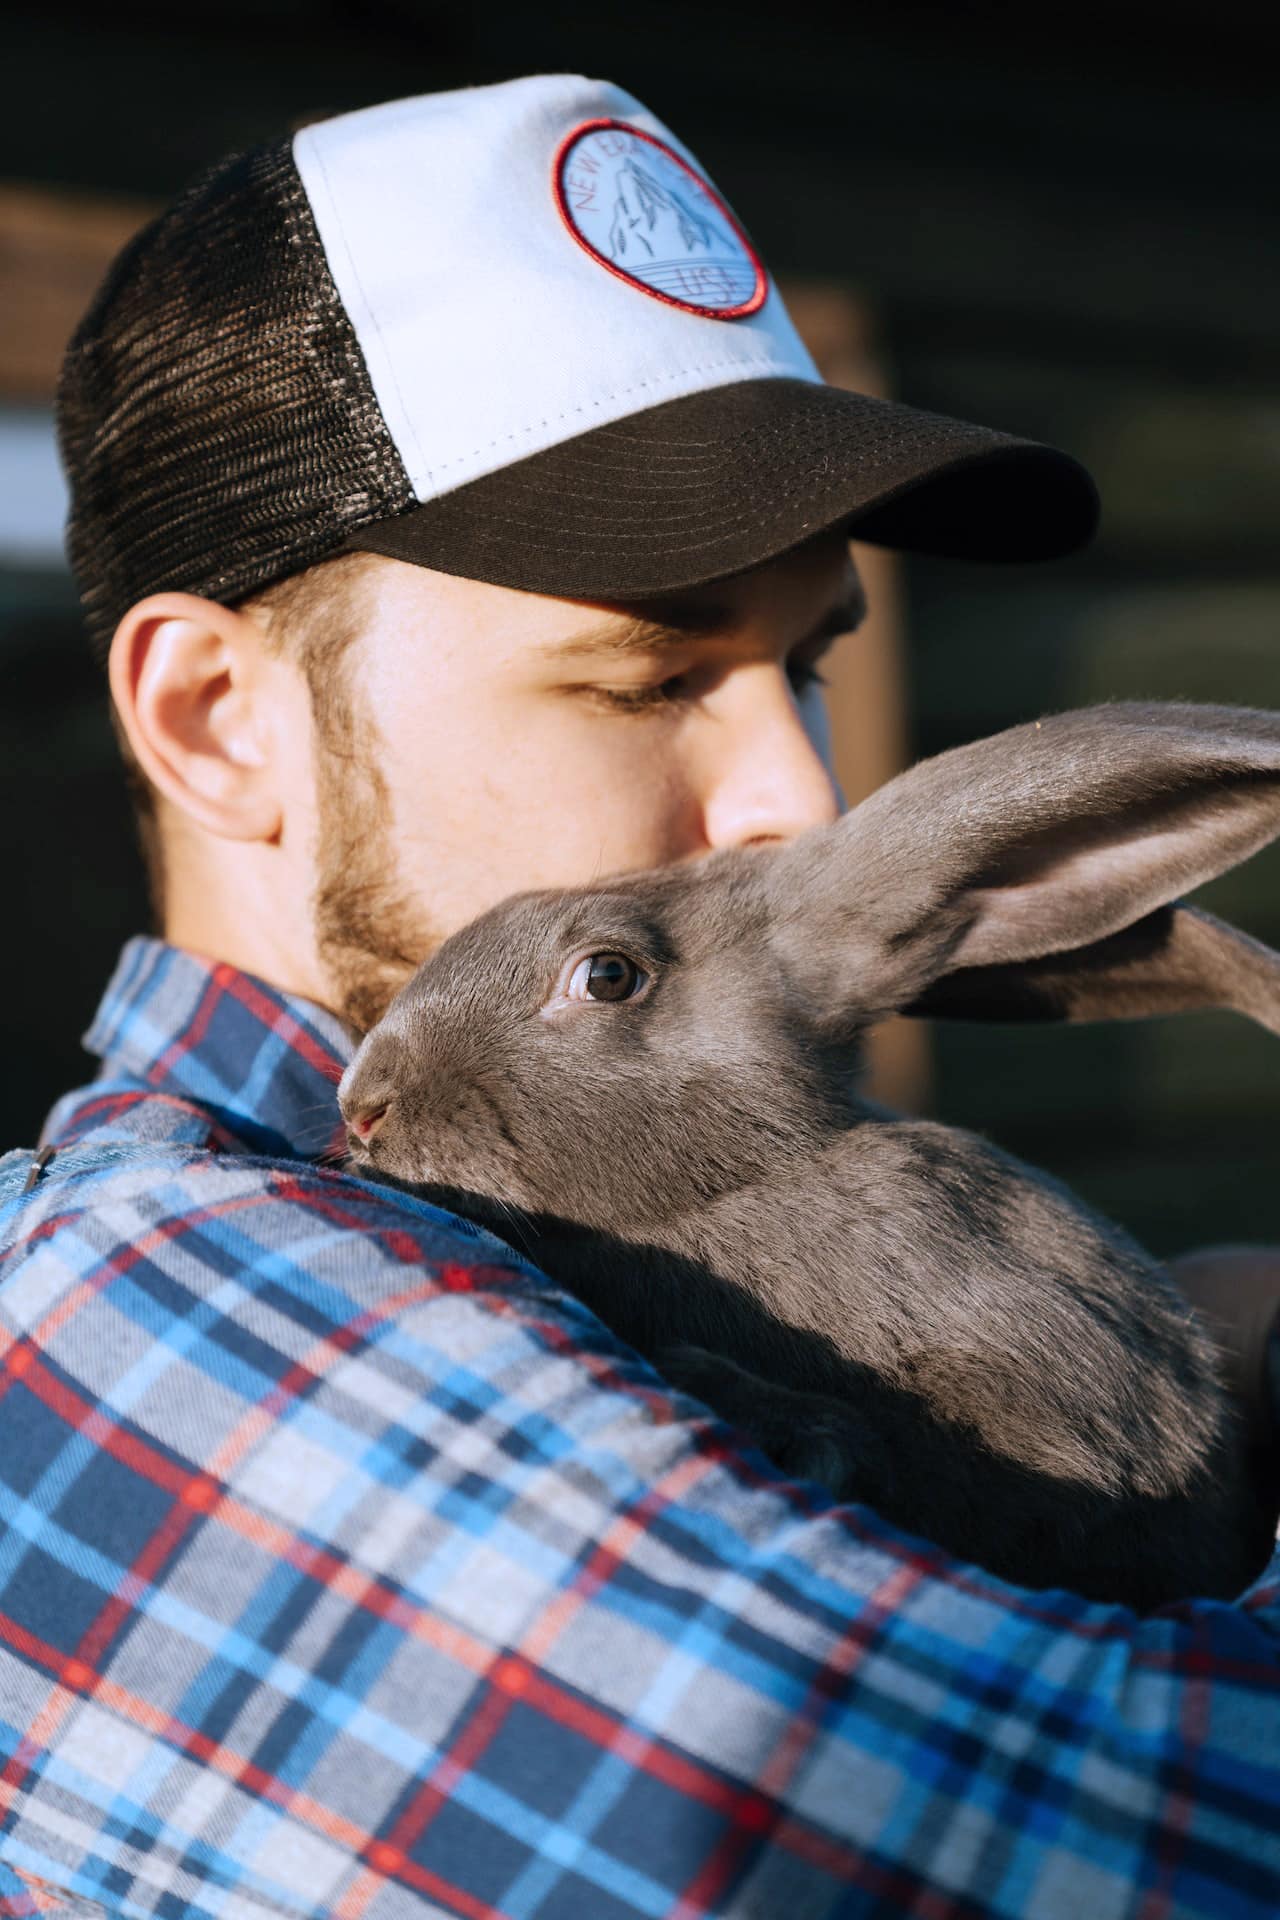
{"type": "Point", "coordinates": [365, 1124]}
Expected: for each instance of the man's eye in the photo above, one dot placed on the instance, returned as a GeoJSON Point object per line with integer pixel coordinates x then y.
{"type": "Point", "coordinates": [663, 693]}
{"type": "Point", "coordinates": [678, 688]}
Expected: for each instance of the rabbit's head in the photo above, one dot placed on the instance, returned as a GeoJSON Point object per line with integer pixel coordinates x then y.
{"type": "Point", "coordinates": [590, 1053]}
{"type": "Point", "coordinates": [624, 1051]}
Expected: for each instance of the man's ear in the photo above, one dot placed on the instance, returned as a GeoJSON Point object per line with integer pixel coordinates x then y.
{"type": "Point", "coordinates": [193, 685]}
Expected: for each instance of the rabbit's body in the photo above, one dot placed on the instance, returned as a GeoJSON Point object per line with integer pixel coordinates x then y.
{"type": "Point", "coordinates": [958, 1343]}
{"type": "Point", "coordinates": [894, 1307]}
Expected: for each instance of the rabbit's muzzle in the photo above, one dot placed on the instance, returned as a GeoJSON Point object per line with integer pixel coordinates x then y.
{"type": "Point", "coordinates": [365, 1121]}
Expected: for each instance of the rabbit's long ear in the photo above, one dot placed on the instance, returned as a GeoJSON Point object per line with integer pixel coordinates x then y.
{"type": "Point", "coordinates": [1050, 838]}
{"type": "Point", "coordinates": [1178, 960]}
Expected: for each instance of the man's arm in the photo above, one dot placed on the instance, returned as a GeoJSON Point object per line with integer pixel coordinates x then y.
{"type": "Point", "coordinates": [350, 1568]}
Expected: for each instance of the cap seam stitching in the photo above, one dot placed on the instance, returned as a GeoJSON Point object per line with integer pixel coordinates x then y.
{"type": "Point", "coordinates": [767, 364]}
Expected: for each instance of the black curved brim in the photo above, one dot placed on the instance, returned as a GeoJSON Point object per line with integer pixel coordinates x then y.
{"type": "Point", "coordinates": [704, 487]}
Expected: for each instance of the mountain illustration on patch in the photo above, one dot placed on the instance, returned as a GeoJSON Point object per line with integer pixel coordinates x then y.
{"type": "Point", "coordinates": [652, 222]}
{"type": "Point", "coordinates": [645, 213]}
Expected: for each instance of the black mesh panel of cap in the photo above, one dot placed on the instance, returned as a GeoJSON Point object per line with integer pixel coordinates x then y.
{"type": "Point", "coordinates": [217, 422]}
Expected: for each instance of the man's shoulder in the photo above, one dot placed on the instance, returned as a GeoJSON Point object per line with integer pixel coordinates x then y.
{"type": "Point", "coordinates": [104, 1202]}
{"type": "Point", "coordinates": [176, 1289]}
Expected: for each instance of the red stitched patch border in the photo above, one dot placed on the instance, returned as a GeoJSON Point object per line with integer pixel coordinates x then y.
{"type": "Point", "coordinates": [574, 198]}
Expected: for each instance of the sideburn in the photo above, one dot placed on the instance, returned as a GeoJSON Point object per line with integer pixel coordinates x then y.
{"type": "Point", "coordinates": [370, 934]}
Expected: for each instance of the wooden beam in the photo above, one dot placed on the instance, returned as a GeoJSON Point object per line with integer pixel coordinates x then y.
{"type": "Point", "coordinates": [867, 698]}
{"type": "Point", "coordinates": [55, 247]}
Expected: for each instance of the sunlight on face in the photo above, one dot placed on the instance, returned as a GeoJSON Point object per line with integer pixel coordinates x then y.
{"type": "Point", "coordinates": [525, 741]}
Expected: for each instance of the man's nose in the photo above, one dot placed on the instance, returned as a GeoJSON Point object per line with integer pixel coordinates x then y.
{"type": "Point", "coordinates": [771, 778]}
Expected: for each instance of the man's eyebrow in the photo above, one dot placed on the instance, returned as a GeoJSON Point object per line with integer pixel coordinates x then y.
{"type": "Point", "coordinates": [680, 623]}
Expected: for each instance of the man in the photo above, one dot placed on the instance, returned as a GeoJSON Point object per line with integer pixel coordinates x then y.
{"type": "Point", "coordinates": [459, 512]}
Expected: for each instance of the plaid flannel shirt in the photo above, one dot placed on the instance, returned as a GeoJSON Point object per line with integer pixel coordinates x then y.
{"type": "Point", "coordinates": [350, 1568]}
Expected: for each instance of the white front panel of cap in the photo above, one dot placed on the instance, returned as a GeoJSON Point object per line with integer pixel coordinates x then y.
{"type": "Point", "coordinates": [491, 323]}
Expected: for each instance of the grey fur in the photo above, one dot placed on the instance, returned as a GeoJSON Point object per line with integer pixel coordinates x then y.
{"type": "Point", "coordinates": [894, 1307]}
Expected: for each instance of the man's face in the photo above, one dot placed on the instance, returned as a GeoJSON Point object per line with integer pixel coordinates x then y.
{"type": "Point", "coordinates": [508, 740]}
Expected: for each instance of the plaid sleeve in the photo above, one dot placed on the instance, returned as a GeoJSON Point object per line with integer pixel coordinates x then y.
{"type": "Point", "coordinates": [350, 1569]}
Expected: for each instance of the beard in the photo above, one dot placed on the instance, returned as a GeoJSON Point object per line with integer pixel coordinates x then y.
{"type": "Point", "coordinates": [370, 933]}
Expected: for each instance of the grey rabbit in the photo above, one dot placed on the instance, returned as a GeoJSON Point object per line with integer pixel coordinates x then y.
{"type": "Point", "coordinates": [650, 1086]}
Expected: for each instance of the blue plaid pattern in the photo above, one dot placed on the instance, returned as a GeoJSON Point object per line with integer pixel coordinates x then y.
{"type": "Point", "coordinates": [348, 1568]}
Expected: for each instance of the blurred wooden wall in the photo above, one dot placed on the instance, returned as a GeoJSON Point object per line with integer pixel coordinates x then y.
{"type": "Point", "coordinates": [55, 246]}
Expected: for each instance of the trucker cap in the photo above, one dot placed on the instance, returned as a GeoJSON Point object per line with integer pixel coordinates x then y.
{"type": "Point", "coordinates": [510, 332]}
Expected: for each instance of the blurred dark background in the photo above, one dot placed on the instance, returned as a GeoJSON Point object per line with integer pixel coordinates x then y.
{"type": "Point", "coordinates": [1062, 229]}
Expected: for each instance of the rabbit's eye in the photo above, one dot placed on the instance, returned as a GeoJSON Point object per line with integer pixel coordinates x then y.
{"type": "Point", "coordinates": [605, 976]}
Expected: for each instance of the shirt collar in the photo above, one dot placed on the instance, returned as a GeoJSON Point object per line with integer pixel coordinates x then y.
{"type": "Point", "coordinates": [263, 1063]}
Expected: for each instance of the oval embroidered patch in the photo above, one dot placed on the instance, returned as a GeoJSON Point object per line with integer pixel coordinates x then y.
{"type": "Point", "coordinates": [646, 215]}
